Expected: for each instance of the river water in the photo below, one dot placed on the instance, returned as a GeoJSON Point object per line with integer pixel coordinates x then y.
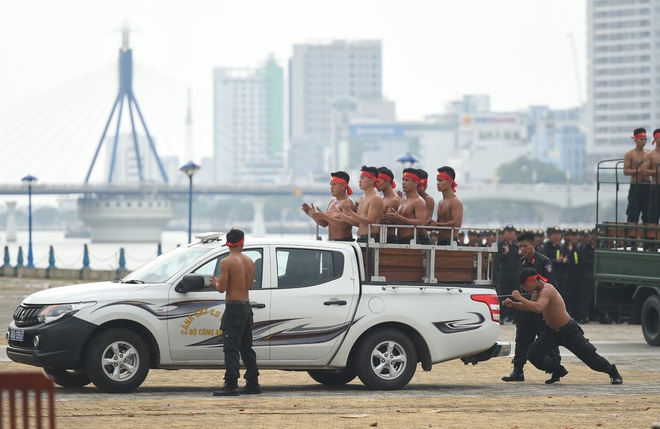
{"type": "Point", "coordinates": [103, 256]}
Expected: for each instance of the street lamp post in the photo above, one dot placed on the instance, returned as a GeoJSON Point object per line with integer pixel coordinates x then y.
{"type": "Point", "coordinates": [29, 179]}
{"type": "Point", "coordinates": [189, 170]}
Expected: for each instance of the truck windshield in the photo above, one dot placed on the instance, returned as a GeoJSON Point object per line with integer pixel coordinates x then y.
{"type": "Point", "coordinates": [162, 268]}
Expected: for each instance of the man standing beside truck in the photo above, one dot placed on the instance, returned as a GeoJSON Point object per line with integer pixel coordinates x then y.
{"type": "Point", "coordinates": [236, 277]}
{"type": "Point", "coordinates": [638, 194]}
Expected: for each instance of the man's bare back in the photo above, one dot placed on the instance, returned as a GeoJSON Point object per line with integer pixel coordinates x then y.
{"type": "Point", "coordinates": [545, 300]}
{"type": "Point", "coordinates": [236, 277]}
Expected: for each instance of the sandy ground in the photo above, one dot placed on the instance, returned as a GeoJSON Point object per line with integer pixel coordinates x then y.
{"type": "Point", "coordinates": [450, 396]}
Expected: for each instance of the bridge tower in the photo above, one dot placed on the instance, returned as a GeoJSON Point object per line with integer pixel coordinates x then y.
{"type": "Point", "coordinates": [123, 218]}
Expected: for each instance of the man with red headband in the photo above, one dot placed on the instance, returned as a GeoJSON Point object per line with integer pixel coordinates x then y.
{"type": "Point", "coordinates": [651, 169]}
{"type": "Point", "coordinates": [450, 209]}
{"type": "Point", "coordinates": [421, 190]}
{"type": "Point", "coordinates": [338, 229]}
{"type": "Point", "coordinates": [638, 194]}
{"type": "Point", "coordinates": [370, 207]}
{"type": "Point", "coordinates": [236, 277]}
{"type": "Point", "coordinates": [411, 211]}
{"type": "Point", "coordinates": [391, 200]}
{"type": "Point", "coordinates": [559, 330]}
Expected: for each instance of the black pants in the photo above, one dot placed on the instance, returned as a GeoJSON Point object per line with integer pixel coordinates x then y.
{"type": "Point", "coordinates": [363, 238]}
{"type": "Point", "coordinates": [529, 326]}
{"type": "Point", "coordinates": [574, 292]}
{"type": "Point", "coordinates": [654, 205]}
{"type": "Point", "coordinates": [236, 328]}
{"type": "Point", "coordinates": [570, 336]}
{"type": "Point", "coordinates": [638, 202]}
{"type": "Point", "coordinates": [507, 281]}
{"type": "Point", "coordinates": [343, 239]}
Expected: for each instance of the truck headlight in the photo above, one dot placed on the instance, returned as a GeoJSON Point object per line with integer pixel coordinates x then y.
{"type": "Point", "coordinates": [57, 311]}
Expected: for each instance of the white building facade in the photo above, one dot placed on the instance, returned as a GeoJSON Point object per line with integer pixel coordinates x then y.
{"type": "Point", "coordinates": [249, 124]}
{"type": "Point", "coordinates": [623, 74]}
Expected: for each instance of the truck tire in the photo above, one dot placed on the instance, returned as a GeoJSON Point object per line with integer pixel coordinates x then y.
{"type": "Point", "coordinates": [117, 361]}
{"type": "Point", "coordinates": [651, 320]}
{"type": "Point", "coordinates": [332, 377]}
{"type": "Point", "coordinates": [386, 359]}
{"type": "Point", "coordinates": [68, 378]}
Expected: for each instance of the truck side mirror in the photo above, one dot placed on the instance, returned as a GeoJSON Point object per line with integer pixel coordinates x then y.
{"type": "Point", "coordinates": [190, 283]}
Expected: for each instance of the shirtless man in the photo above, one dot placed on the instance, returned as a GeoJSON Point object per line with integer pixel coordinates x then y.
{"type": "Point", "coordinates": [236, 277]}
{"type": "Point", "coordinates": [411, 211]}
{"type": "Point", "coordinates": [651, 169]}
{"type": "Point", "coordinates": [430, 202]}
{"type": "Point", "coordinates": [450, 209]}
{"type": "Point", "coordinates": [370, 207]}
{"type": "Point", "coordinates": [559, 330]}
{"type": "Point", "coordinates": [638, 195]}
{"type": "Point", "coordinates": [391, 200]}
{"type": "Point", "coordinates": [338, 229]}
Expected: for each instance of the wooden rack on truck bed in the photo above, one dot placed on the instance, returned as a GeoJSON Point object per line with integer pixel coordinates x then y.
{"type": "Point", "coordinates": [453, 263]}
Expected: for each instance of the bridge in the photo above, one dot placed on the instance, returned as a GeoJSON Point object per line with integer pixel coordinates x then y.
{"type": "Point", "coordinates": [550, 199]}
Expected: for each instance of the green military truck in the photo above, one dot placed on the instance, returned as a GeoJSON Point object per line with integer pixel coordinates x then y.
{"type": "Point", "coordinates": [627, 260]}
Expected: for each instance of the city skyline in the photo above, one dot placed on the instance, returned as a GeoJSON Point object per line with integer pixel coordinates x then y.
{"type": "Point", "coordinates": [449, 50]}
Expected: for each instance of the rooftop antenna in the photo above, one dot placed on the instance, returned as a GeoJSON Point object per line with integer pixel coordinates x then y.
{"type": "Point", "coordinates": [189, 128]}
{"type": "Point", "coordinates": [577, 69]}
{"type": "Point", "coordinates": [126, 91]}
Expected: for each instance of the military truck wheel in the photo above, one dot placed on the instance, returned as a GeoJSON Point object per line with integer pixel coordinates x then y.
{"type": "Point", "coordinates": [651, 320]}
{"type": "Point", "coordinates": [68, 378]}
{"type": "Point", "coordinates": [117, 361]}
{"type": "Point", "coordinates": [386, 359]}
{"type": "Point", "coordinates": [332, 377]}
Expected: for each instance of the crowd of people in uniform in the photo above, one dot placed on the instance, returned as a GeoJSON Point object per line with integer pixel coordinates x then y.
{"type": "Point", "coordinates": [570, 252]}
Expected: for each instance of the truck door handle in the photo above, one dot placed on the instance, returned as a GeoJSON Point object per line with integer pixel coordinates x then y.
{"type": "Point", "coordinates": [335, 302]}
{"type": "Point", "coordinates": [257, 305]}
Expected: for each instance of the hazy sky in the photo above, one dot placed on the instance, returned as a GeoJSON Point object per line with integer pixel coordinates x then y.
{"type": "Point", "coordinates": [434, 51]}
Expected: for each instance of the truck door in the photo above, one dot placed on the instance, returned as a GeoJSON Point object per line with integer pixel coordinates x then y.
{"type": "Point", "coordinates": [311, 305]}
{"type": "Point", "coordinates": [194, 318]}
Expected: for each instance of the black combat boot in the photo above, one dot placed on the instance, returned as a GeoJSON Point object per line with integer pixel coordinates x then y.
{"type": "Point", "coordinates": [517, 375]}
{"type": "Point", "coordinates": [230, 389]}
{"type": "Point", "coordinates": [615, 376]}
{"type": "Point", "coordinates": [556, 375]}
{"type": "Point", "coordinates": [252, 387]}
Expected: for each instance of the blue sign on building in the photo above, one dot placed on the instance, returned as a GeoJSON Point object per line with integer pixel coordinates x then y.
{"type": "Point", "coordinates": [376, 130]}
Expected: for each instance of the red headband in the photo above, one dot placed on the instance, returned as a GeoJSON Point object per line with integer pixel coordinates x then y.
{"type": "Point", "coordinates": [349, 191]}
{"type": "Point", "coordinates": [238, 243]}
{"type": "Point", "coordinates": [445, 176]}
{"type": "Point", "coordinates": [534, 277]}
{"type": "Point", "coordinates": [369, 176]}
{"type": "Point", "coordinates": [412, 176]}
{"type": "Point", "coordinates": [655, 136]}
{"type": "Point", "coordinates": [639, 136]}
{"type": "Point", "coordinates": [383, 176]}
{"type": "Point", "coordinates": [423, 182]}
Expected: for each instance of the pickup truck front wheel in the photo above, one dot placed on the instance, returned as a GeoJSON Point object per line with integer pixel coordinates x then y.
{"type": "Point", "coordinates": [117, 361]}
{"type": "Point", "coordinates": [68, 378]}
{"type": "Point", "coordinates": [651, 320]}
{"type": "Point", "coordinates": [332, 377]}
{"type": "Point", "coordinates": [385, 360]}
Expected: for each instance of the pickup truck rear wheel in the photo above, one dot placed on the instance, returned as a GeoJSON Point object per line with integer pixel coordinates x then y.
{"type": "Point", "coordinates": [117, 361]}
{"type": "Point", "coordinates": [333, 377]}
{"type": "Point", "coordinates": [68, 378]}
{"type": "Point", "coordinates": [386, 359]}
{"type": "Point", "coordinates": [651, 320]}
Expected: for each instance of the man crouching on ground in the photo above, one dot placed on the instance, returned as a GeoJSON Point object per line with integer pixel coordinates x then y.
{"type": "Point", "coordinates": [236, 277]}
{"type": "Point", "coordinates": [560, 329]}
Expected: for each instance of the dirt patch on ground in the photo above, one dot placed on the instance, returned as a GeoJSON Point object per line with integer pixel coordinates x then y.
{"type": "Point", "coordinates": [450, 396]}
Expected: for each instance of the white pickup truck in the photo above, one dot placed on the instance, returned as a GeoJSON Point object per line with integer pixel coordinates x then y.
{"type": "Point", "coordinates": [317, 308]}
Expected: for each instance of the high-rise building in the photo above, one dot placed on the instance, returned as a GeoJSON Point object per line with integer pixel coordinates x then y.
{"type": "Point", "coordinates": [623, 78]}
{"type": "Point", "coordinates": [323, 75]}
{"type": "Point", "coordinates": [249, 124]}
